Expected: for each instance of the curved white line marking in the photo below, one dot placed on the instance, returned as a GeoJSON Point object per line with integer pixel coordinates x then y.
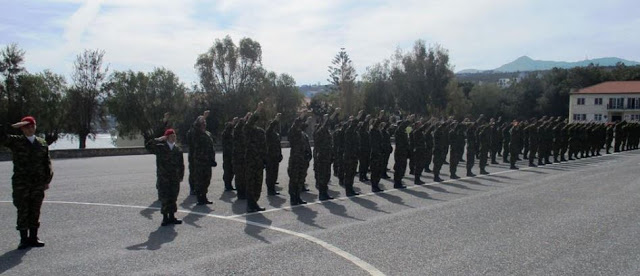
{"type": "Point", "coordinates": [344, 254]}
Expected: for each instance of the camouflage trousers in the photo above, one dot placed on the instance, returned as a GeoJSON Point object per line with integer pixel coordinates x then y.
{"type": "Point", "coordinates": [254, 173]}
{"type": "Point", "coordinates": [227, 167]}
{"type": "Point", "coordinates": [27, 197]}
{"type": "Point", "coordinates": [202, 178]}
{"type": "Point", "coordinates": [419, 160]}
{"type": "Point", "coordinates": [470, 159]}
{"type": "Point", "coordinates": [377, 168]}
{"type": "Point", "coordinates": [239, 169]}
{"type": "Point", "coordinates": [350, 167]}
{"type": "Point", "coordinates": [168, 194]}
{"type": "Point", "coordinates": [273, 165]}
{"type": "Point", "coordinates": [297, 175]}
{"type": "Point", "coordinates": [399, 168]}
{"type": "Point", "coordinates": [322, 172]}
{"type": "Point", "coordinates": [454, 160]}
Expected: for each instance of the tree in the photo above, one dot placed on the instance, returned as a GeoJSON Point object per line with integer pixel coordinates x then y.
{"type": "Point", "coordinates": [378, 88]}
{"type": "Point", "coordinates": [139, 101]}
{"type": "Point", "coordinates": [487, 99]}
{"type": "Point", "coordinates": [231, 76]}
{"type": "Point", "coordinates": [11, 67]}
{"type": "Point", "coordinates": [342, 76]}
{"type": "Point", "coordinates": [86, 95]}
{"type": "Point", "coordinates": [43, 95]}
{"type": "Point", "coordinates": [457, 103]}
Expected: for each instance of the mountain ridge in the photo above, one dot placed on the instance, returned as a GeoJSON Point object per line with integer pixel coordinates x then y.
{"type": "Point", "coordinates": [525, 63]}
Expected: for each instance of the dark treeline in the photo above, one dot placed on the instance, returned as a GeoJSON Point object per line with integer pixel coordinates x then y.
{"type": "Point", "coordinates": [232, 80]}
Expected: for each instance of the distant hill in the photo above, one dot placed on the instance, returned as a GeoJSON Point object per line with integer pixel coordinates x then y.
{"type": "Point", "coordinates": [525, 64]}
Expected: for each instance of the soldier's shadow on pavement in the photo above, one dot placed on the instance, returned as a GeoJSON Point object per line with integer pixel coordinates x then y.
{"type": "Point", "coordinates": [306, 216]}
{"type": "Point", "coordinates": [153, 208]}
{"type": "Point", "coordinates": [473, 182]}
{"type": "Point", "coordinates": [393, 199]}
{"type": "Point", "coordinates": [438, 189]}
{"type": "Point", "coordinates": [239, 206]}
{"type": "Point", "coordinates": [192, 219]}
{"type": "Point", "coordinates": [418, 194]}
{"type": "Point", "coordinates": [162, 235]}
{"type": "Point", "coordinates": [337, 209]}
{"type": "Point", "coordinates": [367, 204]}
{"type": "Point", "coordinates": [276, 200]}
{"type": "Point", "coordinates": [11, 259]}
{"type": "Point", "coordinates": [188, 201]}
{"type": "Point", "coordinates": [458, 185]}
{"type": "Point", "coordinates": [253, 230]}
{"type": "Point", "coordinates": [228, 196]}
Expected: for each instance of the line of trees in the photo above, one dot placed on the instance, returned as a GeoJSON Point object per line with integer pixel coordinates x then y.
{"type": "Point", "coordinates": [422, 81]}
{"type": "Point", "coordinates": [232, 80]}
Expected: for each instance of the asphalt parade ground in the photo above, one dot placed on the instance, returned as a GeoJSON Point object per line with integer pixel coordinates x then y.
{"type": "Point", "coordinates": [100, 217]}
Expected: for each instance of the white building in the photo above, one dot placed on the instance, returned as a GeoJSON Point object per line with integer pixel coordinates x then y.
{"type": "Point", "coordinates": [606, 102]}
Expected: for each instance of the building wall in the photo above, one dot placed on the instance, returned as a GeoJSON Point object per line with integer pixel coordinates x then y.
{"type": "Point", "coordinates": [590, 109]}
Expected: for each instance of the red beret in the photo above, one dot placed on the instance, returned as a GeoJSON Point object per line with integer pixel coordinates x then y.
{"type": "Point", "coordinates": [30, 119]}
{"type": "Point", "coordinates": [169, 132]}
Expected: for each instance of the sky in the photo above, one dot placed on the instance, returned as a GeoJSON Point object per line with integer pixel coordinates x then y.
{"type": "Point", "coordinates": [301, 37]}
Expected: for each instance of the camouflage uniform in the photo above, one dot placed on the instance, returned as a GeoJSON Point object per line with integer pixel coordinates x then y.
{"type": "Point", "coordinates": [322, 153]}
{"type": "Point", "coordinates": [472, 145]}
{"type": "Point", "coordinates": [338, 153]}
{"type": "Point", "coordinates": [514, 145]}
{"type": "Point", "coordinates": [506, 142]}
{"type": "Point", "coordinates": [428, 141]}
{"type": "Point", "coordinates": [238, 160]}
{"type": "Point", "coordinates": [419, 151]}
{"type": "Point", "coordinates": [401, 153]}
{"type": "Point", "coordinates": [298, 161]}
{"type": "Point", "coordinates": [350, 157]}
{"type": "Point", "coordinates": [532, 137]}
{"type": "Point", "coordinates": [274, 156]}
{"type": "Point", "coordinates": [365, 150]}
{"type": "Point", "coordinates": [203, 157]}
{"type": "Point", "coordinates": [227, 156]}
{"type": "Point", "coordinates": [388, 148]}
{"type": "Point", "coordinates": [169, 173]}
{"type": "Point", "coordinates": [456, 138]}
{"type": "Point", "coordinates": [439, 147]}
{"type": "Point", "coordinates": [377, 156]}
{"type": "Point", "coordinates": [256, 159]}
{"type": "Point", "coordinates": [32, 174]}
{"type": "Point", "coordinates": [484, 142]}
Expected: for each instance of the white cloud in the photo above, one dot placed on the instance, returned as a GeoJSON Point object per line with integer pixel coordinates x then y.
{"type": "Point", "coordinates": [301, 37]}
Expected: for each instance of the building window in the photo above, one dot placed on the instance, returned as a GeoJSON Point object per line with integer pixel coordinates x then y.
{"type": "Point", "coordinates": [633, 103]}
{"type": "Point", "coordinates": [616, 103]}
{"type": "Point", "coordinates": [580, 101]}
{"type": "Point", "coordinates": [635, 117]}
{"type": "Point", "coordinates": [597, 117]}
{"type": "Point", "coordinates": [597, 101]}
{"type": "Point", "coordinates": [579, 117]}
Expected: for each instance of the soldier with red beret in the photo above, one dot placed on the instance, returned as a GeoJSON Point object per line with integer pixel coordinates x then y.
{"type": "Point", "coordinates": [170, 172]}
{"type": "Point", "coordinates": [32, 174]}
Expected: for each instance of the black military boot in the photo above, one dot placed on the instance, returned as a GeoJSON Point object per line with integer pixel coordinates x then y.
{"type": "Point", "coordinates": [385, 176]}
{"type": "Point", "coordinates": [351, 192]}
{"type": "Point", "coordinates": [376, 188]}
{"type": "Point", "coordinates": [173, 219]}
{"type": "Point", "coordinates": [427, 170]}
{"type": "Point", "coordinates": [272, 192]}
{"type": "Point", "coordinates": [229, 187]}
{"type": "Point", "coordinates": [33, 238]}
{"type": "Point", "coordinates": [483, 171]}
{"type": "Point", "coordinates": [399, 185]}
{"type": "Point", "coordinates": [294, 200]}
{"type": "Point", "coordinates": [417, 180]}
{"type": "Point", "coordinates": [253, 207]}
{"type": "Point", "coordinates": [454, 176]}
{"type": "Point", "coordinates": [436, 178]}
{"type": "Point", "coordinates": [202, 200]}
{"type": "Point", "coordinates": [324, 196]}
{"type": "Point", "coordinates": [470, 174]}
{"type": "Point", "coordinates": [300, 201]}
{"type": "Point", "coordinates": [24, 240]}
{"type": "Point", "coordinates": [513, 167]}
{"type": "Point", "coordinates": [531, 164]}
{"type": "Point", "coordinates": [165, 220]}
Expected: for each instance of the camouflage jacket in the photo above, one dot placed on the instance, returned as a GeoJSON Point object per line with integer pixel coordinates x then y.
{"type": "Point", "coordinates": [203, 153]}
{"type": "Point", "coordinates": [31, 161]}
{"type": "Point", "coordinates": [169, 162]}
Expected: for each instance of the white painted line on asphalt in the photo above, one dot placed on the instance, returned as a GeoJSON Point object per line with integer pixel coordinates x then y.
{"type": "Point", "coordinates": [344, 254]}
{"type": "Point", "coordinates": [418, 186]}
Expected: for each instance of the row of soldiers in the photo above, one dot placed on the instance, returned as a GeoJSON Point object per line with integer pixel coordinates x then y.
{"type": "Point", "coordinates": [362, 144]}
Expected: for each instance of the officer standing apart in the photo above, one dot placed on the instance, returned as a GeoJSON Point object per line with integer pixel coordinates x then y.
{"type": "Point", "coordinates": [32, 174]}
{"type": "Point", "coordinates": [170, 172]}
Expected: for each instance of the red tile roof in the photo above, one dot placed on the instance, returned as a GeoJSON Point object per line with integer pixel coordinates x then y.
{"type": "Point", "coordinates": [612, 87]}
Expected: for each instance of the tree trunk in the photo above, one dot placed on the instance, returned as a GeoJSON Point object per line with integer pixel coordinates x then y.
{"type": "Point", "coordinates": [83, 140]}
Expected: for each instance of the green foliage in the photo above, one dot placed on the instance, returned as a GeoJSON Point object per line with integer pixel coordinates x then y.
{"type": "Point", "coordinates": [342, 76]}
{"type": "Point", "coordinates": [139, 101]}
{"type": "Point", "coordinates": [458, 105]}
{"type": "Point", "coordinates": [86, 95]}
